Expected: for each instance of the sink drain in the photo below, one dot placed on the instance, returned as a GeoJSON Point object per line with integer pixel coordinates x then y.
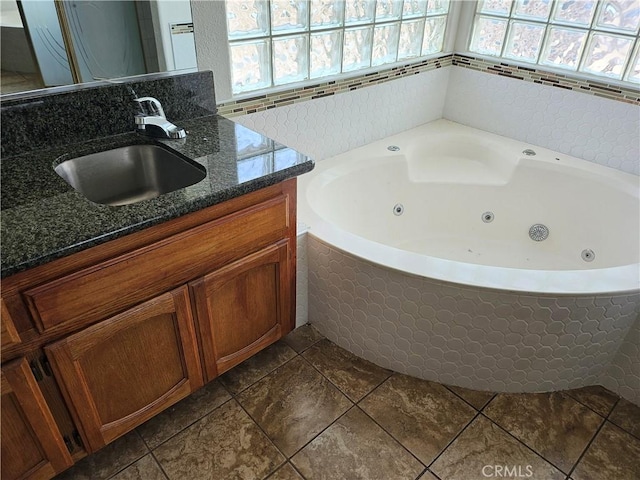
{"type": "Point", "coordinates": [538, 232]}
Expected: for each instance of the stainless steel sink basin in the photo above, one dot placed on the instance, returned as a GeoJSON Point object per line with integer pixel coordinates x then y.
{"type": "Point", "coordinates": [129, 174]}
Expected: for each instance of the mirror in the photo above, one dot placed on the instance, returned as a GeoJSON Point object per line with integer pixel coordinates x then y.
{"type": "Point", "coordinates": [49, 43]}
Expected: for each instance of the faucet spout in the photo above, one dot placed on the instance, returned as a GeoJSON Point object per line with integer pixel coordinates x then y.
{"type": "Point", "coordinates": [152, 121]}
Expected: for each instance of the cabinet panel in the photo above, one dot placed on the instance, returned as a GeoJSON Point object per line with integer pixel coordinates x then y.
{"type": "Point", "coordinates": [114, 285]}
{"type": "Point", "coordinates": [8, 333]}
{"type": "Point", "coordinates": [244, 307]}
{"type": "Point", "coordinates": [32, 446]}
{"type": "Point", "coordinates": [122, 371]}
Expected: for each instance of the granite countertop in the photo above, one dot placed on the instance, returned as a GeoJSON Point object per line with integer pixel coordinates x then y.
{"type": "Point", "coordinates": [43, 218]}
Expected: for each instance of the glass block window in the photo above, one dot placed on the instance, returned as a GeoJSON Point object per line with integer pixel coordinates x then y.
{"type": "Point", "coordinates": [594, 37]}
{"type": "Point", "coordinates": [279, 42]}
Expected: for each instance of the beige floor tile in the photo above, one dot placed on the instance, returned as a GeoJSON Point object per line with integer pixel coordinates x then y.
{"type": "Point", "coordinates": [144, 469]}
{"type": "Point", "coordinates": [293, 404]}
{"type": "Point", "coordinates": [614, 454]}
{"type": "Point", "coordinates": [627, 416]}
{"type": "Point", "coordinates": [428, 476]}
{"type": "Point", "coordinates": [353, 448]}
{"type": "Point", "coordinates": [597, 398]}
{"type": "Point", "coordinates": [303, 337]}
{"type": "Point", "coordinates": [224, 444]}
{"type": "Point", "coordinates": [482, 448]}
{"type": "Point", "coordinates": [256, 367]}
{"type": "Point", "coordinates": [475, 398]}
{"type": "Point", "coordinates": [178, 417]}
{"type": "Point", "coordinates": [354, 376]}
{"type": "Point", "coordinates": [286, 472]}
{"type": "Point", "coordinates": [423, 416]}
{"type": "Point", "coordinates": [108, 461]}
{"type": "Point", "coordinates": [553, 424]}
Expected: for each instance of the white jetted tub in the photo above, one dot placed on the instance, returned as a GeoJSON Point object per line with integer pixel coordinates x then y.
{"type": "Point", "coordinates": [472, 259]}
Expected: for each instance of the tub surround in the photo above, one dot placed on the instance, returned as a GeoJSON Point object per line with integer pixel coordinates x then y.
{"type": "Point", "coordinates": [469, 337]}
{"type": "Point", "coordinates": [43, 218]}
{"type": "Point", "coordinates": [433, 300]}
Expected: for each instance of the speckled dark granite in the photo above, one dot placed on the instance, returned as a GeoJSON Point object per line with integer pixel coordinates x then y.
{"type": "Point", "coordinates": [33, 121]}
{"type": "Point", "coordinates": [43, 218]}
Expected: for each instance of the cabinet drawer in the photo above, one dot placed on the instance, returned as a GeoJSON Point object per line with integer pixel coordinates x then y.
{"type": "Point", "coordinates": [114, 285]}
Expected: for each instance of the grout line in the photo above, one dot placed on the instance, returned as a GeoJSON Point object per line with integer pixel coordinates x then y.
{"type": "Point", "coordinates": [588, 446]}
{"type": "Point", "coordinates": [469, 403]}
{"type": "Point", "coordinates": [190, 424]}
{"type": "Point", "coordinates": [159, 464]}
{"type": "Point", "coordinates": [454, 439]}
{"type": "Point", "coordinates": [538, 454]}
{"type": "Point", "coordinates": [395, 439]}
{"type": "Point", "coordinates": [499, 66]}
{"type": "Point", "coordinates": [619, 426]}
{"type": "Point", "coordinates": [258, 379]}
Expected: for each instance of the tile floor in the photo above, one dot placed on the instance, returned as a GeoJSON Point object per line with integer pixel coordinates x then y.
{"type": "Point", "coordinates": [307, 409]}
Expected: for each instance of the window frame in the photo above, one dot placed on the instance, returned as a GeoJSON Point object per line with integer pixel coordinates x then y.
{"type": "Point", "coordinates": [465, 36]}
{"type": "Point", "coordinates": [224, 87]}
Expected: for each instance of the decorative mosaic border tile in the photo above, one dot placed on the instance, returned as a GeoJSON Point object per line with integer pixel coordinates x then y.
{"type": "Point", "coordinates": [268, 101]}
{"type": "Point", "coordinates": [297, 95]}
{"type": "Point", "coordinates": [535, 75]}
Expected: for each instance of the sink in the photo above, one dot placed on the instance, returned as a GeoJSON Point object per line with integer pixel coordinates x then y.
{"type": "Point", "coordinates": [129, 174]}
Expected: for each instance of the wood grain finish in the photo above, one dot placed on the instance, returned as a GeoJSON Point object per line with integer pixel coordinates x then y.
{"type": "Point", "coordinates": [14, 286]}
{"type": "Point", "coordinates": [243, 307]}
{"type": "Point", "coordinates": [8, 333]}
{"type": "Point", "coordinates": [120, 372]}
{"type": "Point", "coordinates": [111, 286]}
{"type": "Point", "coordinates": [117, 321]}
{"type": "Point", "coordinates": [32, 446]}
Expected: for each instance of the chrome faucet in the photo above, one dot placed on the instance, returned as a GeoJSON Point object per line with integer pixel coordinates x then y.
{"type": "Point", "coordinates": [152, 121]}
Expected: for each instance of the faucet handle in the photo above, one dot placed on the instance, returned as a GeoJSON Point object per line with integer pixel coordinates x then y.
{"type": "Point", "coordinates": [151, 105]}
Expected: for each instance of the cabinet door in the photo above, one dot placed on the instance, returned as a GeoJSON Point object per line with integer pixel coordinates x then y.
{"type": "Point", "coordinates": [244, 307]}
{"type": "Point", "coordinates": [32, 446]}
{"type": "Point", "coordinates": [8, 333]}
{"type": "Point", "coordinates": [120, 372]}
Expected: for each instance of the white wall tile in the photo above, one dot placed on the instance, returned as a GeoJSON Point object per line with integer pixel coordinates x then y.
{"type": "Point", "coordinates": [585, 126]}
{"type": "Point", "coordinates": [331, 125]}
{"type": "Point", "coordinates": [473, 337]}
{"type": "Point", "coordinates": [623, 374]}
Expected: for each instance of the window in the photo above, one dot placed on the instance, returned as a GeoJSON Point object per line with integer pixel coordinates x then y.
{"type": "Point", "coordinates": [593, 37]}
{"type": "Point", "coordinates": [280, 42]}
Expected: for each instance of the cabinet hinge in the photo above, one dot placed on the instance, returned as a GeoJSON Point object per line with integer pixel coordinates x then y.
{"type": "Point", "coordinates": [46, 366]}
{"type": "Point", "coordinates": [67, 442]}
{"type": "Point", "coordinates": [77, 438]}
{"type": "Point", "coordinates": [35, 369]}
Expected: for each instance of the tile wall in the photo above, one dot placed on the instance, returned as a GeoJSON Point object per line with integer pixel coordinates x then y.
{"type": "Point", "coordinates": [586, 126]}
{"type": "Point", "coordinates": [596, 121]}
{"type": "Point", "coordinates": [467, 336]}
{"type": "Point", "coordinates": [623, 374]}
{"type": "Point", "coordinates": [330, 125]}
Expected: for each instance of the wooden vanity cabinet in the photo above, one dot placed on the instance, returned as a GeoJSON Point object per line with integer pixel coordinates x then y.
{"type": "Point", "coordinates": [132, 326]}
{"type": "Point", "coordinates": [32, 445]}
{"type": "Point", "coordinates": [122, 371]}
{"type": "Point", "coordinates": [243, 307]}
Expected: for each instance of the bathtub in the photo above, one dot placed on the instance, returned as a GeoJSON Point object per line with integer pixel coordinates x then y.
{"type": "Point", "coordinates": [472, 259]}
